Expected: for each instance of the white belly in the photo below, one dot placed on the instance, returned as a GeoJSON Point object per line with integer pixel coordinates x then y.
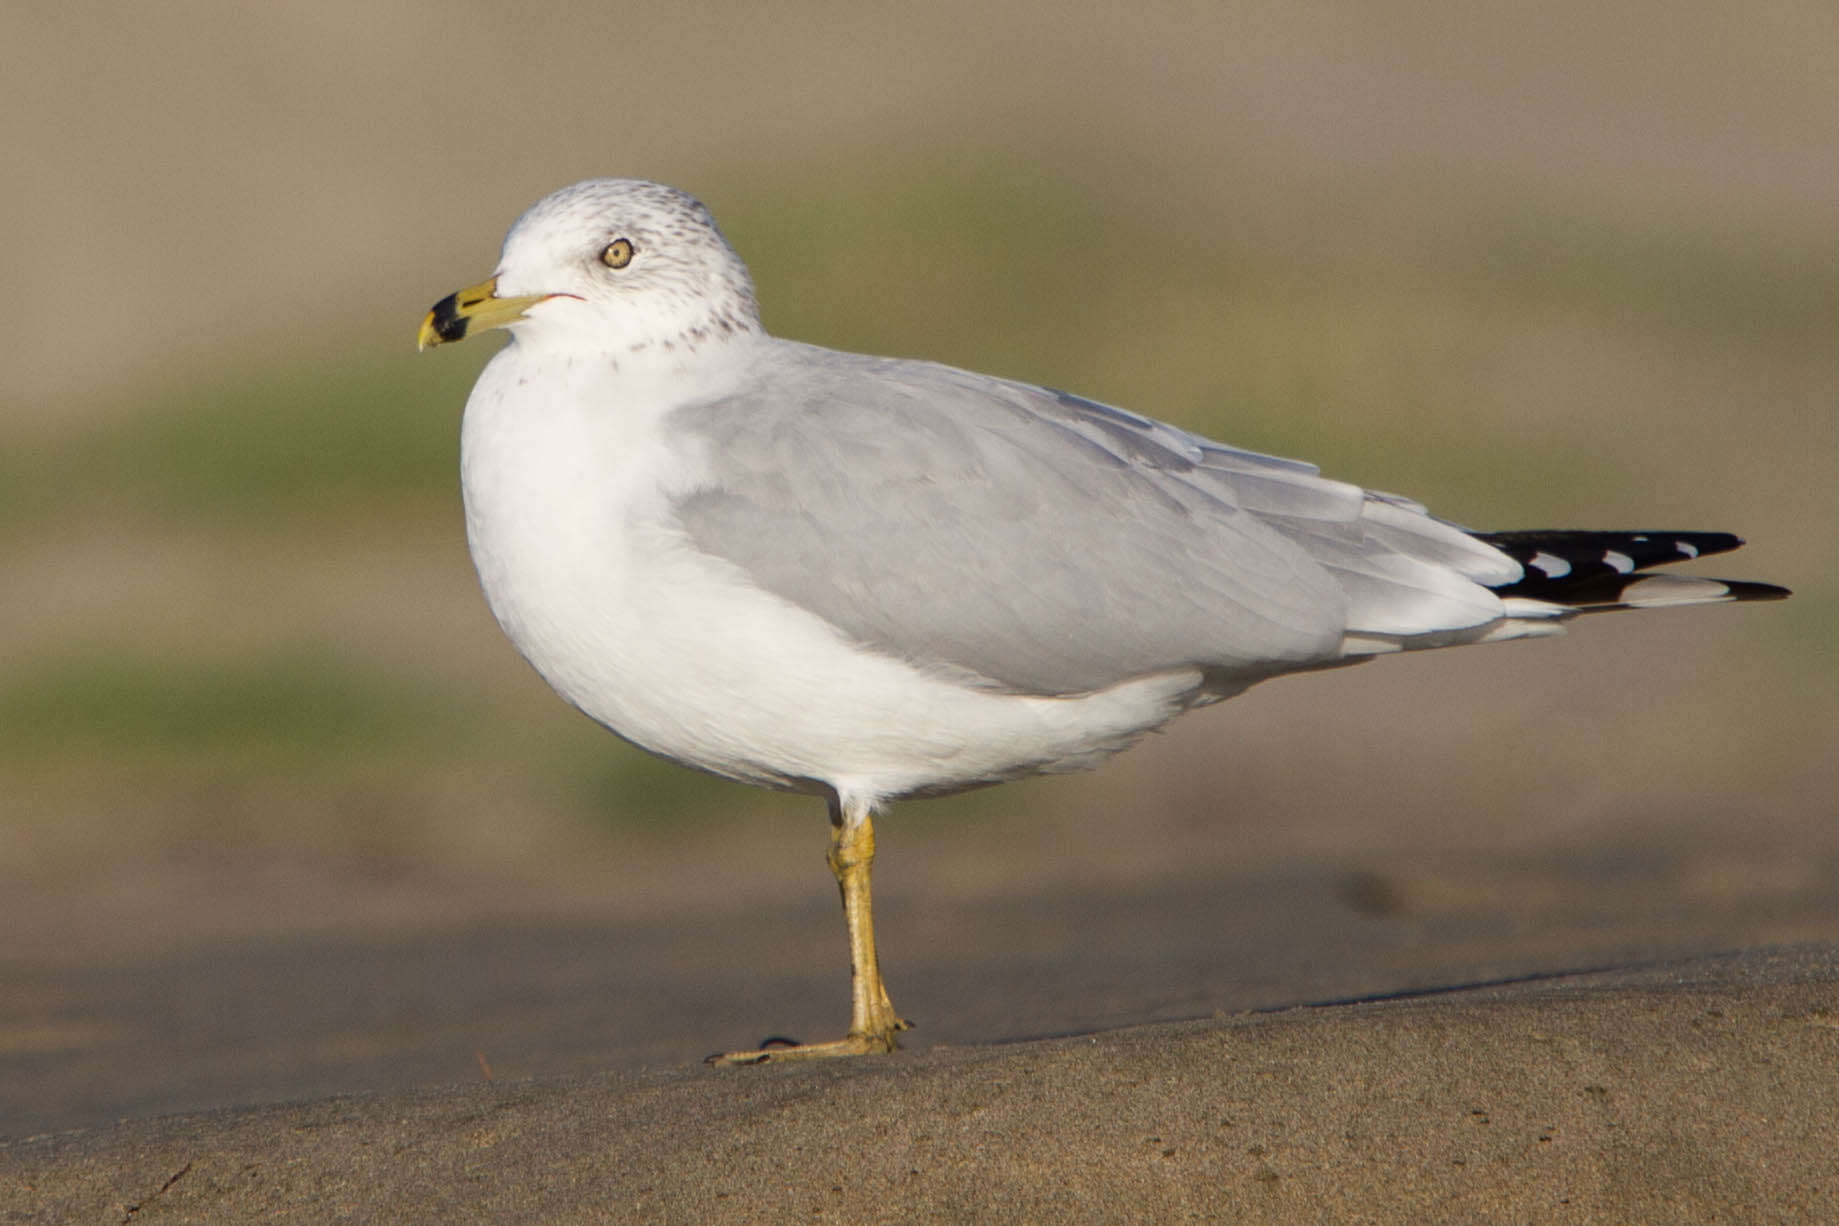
{"type": "Point", "coordinates": [567, 514]}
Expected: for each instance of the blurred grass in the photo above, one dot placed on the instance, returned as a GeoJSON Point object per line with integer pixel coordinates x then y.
{"type": "Point", "coordinates": [333, 436]}
{"type": "Point", "coordinates": [1691, 281]}
{"type": "Point", "coordinates": [1299, 331]}
{"type": "Point", "coordinates": [301, 708]}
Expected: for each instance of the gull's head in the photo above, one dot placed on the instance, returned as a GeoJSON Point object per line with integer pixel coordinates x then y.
{"type": "Point", "coordinates": [611, 265]}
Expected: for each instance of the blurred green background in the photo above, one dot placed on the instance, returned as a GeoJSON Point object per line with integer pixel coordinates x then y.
{"type": "Point", "coordinates": [1540, 267]}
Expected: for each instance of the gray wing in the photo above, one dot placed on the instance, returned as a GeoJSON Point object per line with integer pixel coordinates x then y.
{"type": "Point", "coordinates": [1041, 543]}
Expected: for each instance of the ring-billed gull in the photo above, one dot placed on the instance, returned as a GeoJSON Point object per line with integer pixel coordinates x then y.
{"type": "Point", "coordinates": [869, 578]}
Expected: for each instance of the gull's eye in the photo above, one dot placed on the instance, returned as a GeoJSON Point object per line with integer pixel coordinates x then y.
{"type": "Point", "coordinates": [617, 254]}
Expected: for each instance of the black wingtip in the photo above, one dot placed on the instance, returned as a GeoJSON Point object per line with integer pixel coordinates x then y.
{"type": "Point", "coordinates": [1650, 547]}
{"type": "Point", "coordinates": [1744, 589]}
{"type": "Point", "coordinates": [1591, 569]}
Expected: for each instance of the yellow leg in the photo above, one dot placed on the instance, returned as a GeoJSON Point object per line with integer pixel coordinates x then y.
{"type": "Point", "coordinates": [872, 1020]}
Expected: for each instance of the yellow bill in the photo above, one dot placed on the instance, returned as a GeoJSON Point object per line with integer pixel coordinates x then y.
{"type": "Point", "coordinates": [476, 308]}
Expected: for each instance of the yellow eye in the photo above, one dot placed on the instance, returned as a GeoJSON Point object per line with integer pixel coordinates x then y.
{"type": "Point", "coordinates": [617, 254]}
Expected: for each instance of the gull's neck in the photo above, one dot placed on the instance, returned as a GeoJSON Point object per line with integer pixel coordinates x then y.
{"type": "Point", "coordinates": [656, 335]}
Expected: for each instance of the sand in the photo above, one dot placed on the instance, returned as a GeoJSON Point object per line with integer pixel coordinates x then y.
{"type": "Point", "coordinates": [1696, 1091]}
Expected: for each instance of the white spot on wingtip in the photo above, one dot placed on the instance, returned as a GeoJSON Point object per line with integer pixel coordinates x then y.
{"type": "Point", "coordinates": [1691, 551]}
{"type": "Point", "coordinates": [1526, 607]}
{"type": "Point", "coordinates": [1551, 565]}
{"type": "Point", "coordinates": [1620, 561]}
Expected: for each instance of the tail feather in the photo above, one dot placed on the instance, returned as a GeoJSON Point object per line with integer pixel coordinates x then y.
{"type": "Point", "coordinates": [1572, 571]}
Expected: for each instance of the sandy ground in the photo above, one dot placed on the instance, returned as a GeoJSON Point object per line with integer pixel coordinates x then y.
{"type": "Point", "coordinates": [1546, 1033]}
{"type": "Point", "coordinates": [1690, 1092]}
